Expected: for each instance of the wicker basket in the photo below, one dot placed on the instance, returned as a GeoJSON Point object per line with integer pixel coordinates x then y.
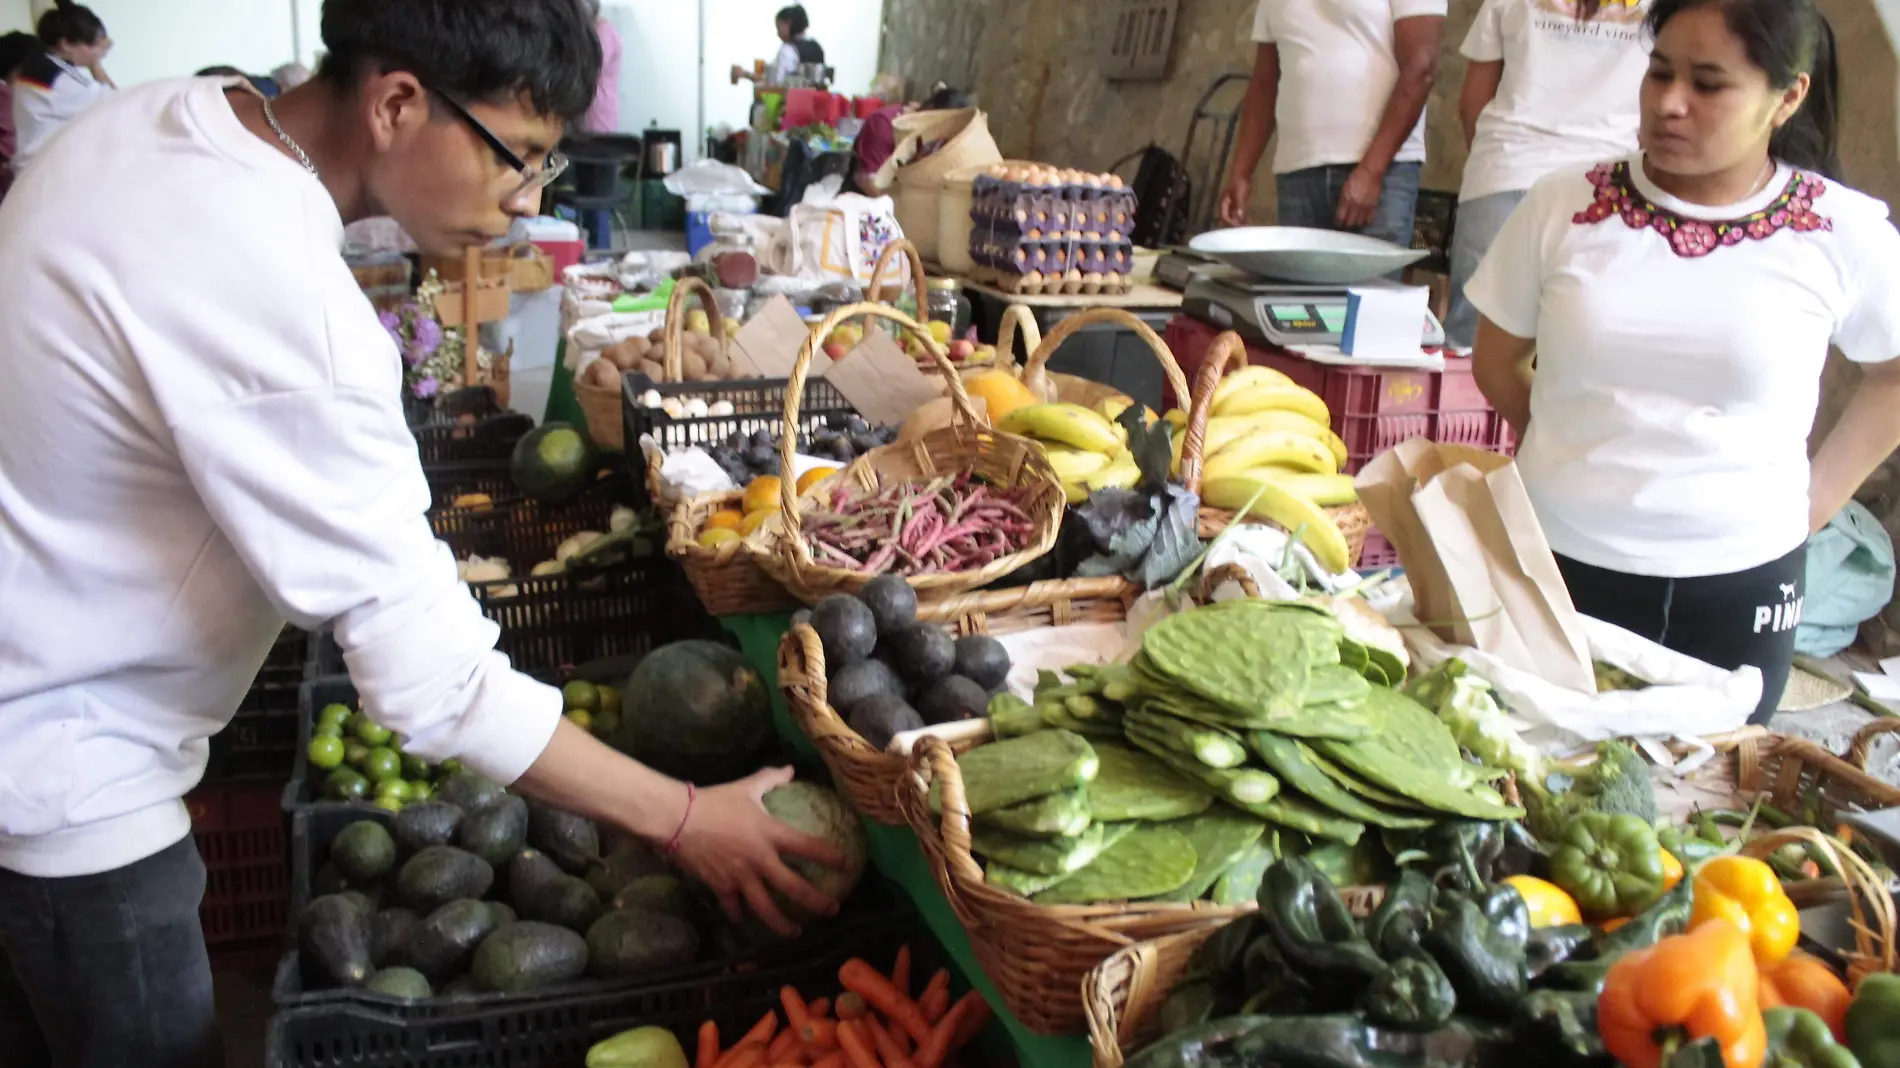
{"type": "Point", "coordinates": [870, 776]}
{"type": "Point", "coordinates": [1072, 388]}
{"type": "Point", "coordinates": [1353, 520]}
{"type": "Point", "coordinates": [918, 283]}
{"type": "Point", "coordinates": [966, 445]}
{"type": "Point", "coordinates": [729, 581]}
{"type": "Point", "coordinates": [605, 422]}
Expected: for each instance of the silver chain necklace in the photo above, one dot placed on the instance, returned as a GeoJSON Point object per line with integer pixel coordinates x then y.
{"type": "Point", "coordinates": [295, 148]}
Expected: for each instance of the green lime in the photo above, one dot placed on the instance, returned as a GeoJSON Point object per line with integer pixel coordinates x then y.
{"type": "Point", "coordinates": [414, 767]}
{"type": "Point", "coordinates": [372, 732]}
{"type": "Point", "coordinates": [327, 730]}
{"type": "Point", "coordinates": [582, 719]}
{"type": "Point", "coordinates": [333, 716]}
{"type": "Point", "coordinates": [447, 768]}
{"type": "Point", "coordinates": [388, 802]}
{"type": "Point", "coordinates": [325, 752]}
{"type": "Point", "coordinates": [354, 752]}
{"type": "Point", "coordinates": [606, 723]}
{"type": "Point", "coordinates": [382, 764]}
{"type": "Point", "coordinates": [346, 784]}
{"type": "Point", "coordinates": [580, 695]}
{"type": "Point", "coordinates": [395, 788]}
{"type": "Point", "coordinates": [609, 701]}
{"type": "Point", "coordinates": [420, 791]}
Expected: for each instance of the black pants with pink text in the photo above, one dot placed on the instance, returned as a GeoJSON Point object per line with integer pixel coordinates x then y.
{"type": "Point", "coordinates": [1726, 620]}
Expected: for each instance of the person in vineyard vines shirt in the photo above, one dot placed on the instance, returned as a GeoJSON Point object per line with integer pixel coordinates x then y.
{"type": "Point", "coordinates": [195, 456]}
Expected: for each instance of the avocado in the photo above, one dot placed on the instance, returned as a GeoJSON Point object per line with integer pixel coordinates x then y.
{"type": "Point", "coordinates": [922, 653]}
{"type": "Point", "coordinates": [445, 942]}
{"type": "Point", "coordinates": [845, 628]}
{"type": "Point", "coordinates": [892, 602]}
{"type": "Point", "coordinates": [571, 841]}
{"type": "Point", "coordinates": [658, 893]}
{"type": "Point", "coordinates": [860, 682]}
{"type": "Point", "coordinates": [504, 913]}
{"type": "Point", "coordinates": [497, 832]}
{"type": "Point", "coordinates": [638, 941]}
{"type": "Point", "coordinates": [389, 931]}
{"type": "Point", "coordinates": [363, 851]}
{"type": "Point", "coordinates": [468, 791]}
{"type": "Point", "coordinates": [624, 858]}
{"type": "Point", "coordinates": [364, 902]}
{"type": "Point", "coordinates": [530, 874]}
{"type": "Point", "coordinates": [568, 901]}
{"type": "Point", "coordinates": [328, 880]}
{"type": "Point", "coordinates": [953, 699]}
{"type": "Point", "coordinates": [401, 983]}
{"type": "Point", "coordinates": [334, 936]}
{"type": "Point", "coordinates": [983, 660]}
{"type": "Point", "coordinates": [883, 716]}
{"type": "Point", "coordinates": [439, 875]}
{"type": "Point", "coordinates": [528, 956]}
{"type": "Point", "coordinates": [460, 987]}
{"type": "Point", "coordinates": [423, 824]}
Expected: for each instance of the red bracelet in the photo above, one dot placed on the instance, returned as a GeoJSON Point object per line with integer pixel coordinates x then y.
{"type": "Point", "coordinates": [673, 843]}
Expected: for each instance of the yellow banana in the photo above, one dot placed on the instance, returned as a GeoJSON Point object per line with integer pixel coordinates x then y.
{"type": "Point", "coordinates": [1111, 408]}
{"type": "Point", "coordinates": [1073, 465]}
{"type": "Point", "coordinates": [1224, 430]}
{"type": "Point", "coordinates": [1286, 510]}
{"type": "Point", "coordinates": [1263, 447]}
{"type": "Point", "coordinates": [1282, 397]}
{"type": "Point", "coordinates": [1177, 418]}
{"type": "Point", "coordinates": [1068, 424]}
{"type": "Point", "coordinates": [1246, 378]}
{"type": "Point", "coordinates": [1327, 491]}
{"type": "Point", "coordinates": [1076, 492]}
{"type": "Point", "coordinates": [1122, 474]}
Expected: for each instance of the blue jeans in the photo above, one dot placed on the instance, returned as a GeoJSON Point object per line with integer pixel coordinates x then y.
{"type": "Point", "coordinates": [1310, 197]}
{"type": "Point", "coordinates": [108, 970]}
{"type": "Point", "coordinates": [1478, 224]}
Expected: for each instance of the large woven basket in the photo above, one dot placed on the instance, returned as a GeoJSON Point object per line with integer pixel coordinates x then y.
{"type": "Point", "coordinates": [869, 776]}
{"type": "Point", "coordinates": [605, 422]}
{"type": "Point", "coordinates": [968, 444]}
{"type": "Point", "coordinates": [1074, 389]}
{"type": "Point", "coordinates": [1353, 520]}
{"type": "Point", "coordinates": [729, 582]}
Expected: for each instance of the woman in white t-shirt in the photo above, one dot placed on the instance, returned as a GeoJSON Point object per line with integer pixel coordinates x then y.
{"type": "Point", "coordinates": [1551, 85]}
{"type": "Point", "coordinates": [1681, 302]}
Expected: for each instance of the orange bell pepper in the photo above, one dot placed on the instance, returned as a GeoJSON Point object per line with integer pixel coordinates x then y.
{"type": "Point", "coordinates": [1747, 893]}
{"type": "Point", "coordinates": [1702, 983]}
{"type": "Point", "coordinates": [1804, 982]}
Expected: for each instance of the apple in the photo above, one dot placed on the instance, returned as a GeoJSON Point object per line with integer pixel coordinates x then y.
{"type": "Point", "coordinates": [698, 322]}
{"type": "Point", "coordinates": [836, 351]}
{"type": "Point", "coordinates": [961, 349]}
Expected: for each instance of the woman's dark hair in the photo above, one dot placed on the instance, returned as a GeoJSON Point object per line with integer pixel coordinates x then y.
{"type": "Point", "coordinates": [221, 72]}
{"type": "Point", "coordinates": [1587, 9]}
{"type": "Point", "coordinates": [487, 50]}
{"type": "Point", "coordinates": [1784, 39]}
{"type": "Point", "coordinates": [795, 18]}
{"type": "Point", "coordinates": [15, 48]}
{"type": "Point", "coordinates": [946, 99]}
{"type": "Point", "coordinates": [70, 23]}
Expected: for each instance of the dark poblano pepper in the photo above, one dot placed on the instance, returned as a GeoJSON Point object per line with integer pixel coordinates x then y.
{"type": "Point", "coordinates": [1348, 1041]}
{"type": "Point", "coordinates": [1313, 928]}
{"type": "Point", "coordinates": [1211, 1045]}
{"type": "Point", "coordinates": [1484, 962]}
{"type": "Point", "coordinates": [1440, 849]}
{"type": "Point", "coordinates": [1548, 947]}
{"type": "Point", "coordinates": [1399, 924]}
{"type": "Point", "coordinates": [1560, 1027]}
{"type": "Point", "coordinates": [1668, 916]}
{"type": "Point", "coordinates": [1412, 995]}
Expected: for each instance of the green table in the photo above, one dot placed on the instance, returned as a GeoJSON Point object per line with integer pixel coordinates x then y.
{"type": "Point", "coordinates": [895, 853]}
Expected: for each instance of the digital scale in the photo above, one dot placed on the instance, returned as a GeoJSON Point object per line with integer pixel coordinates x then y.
{"type": "Point", "coordinates": [1179, 265]}
{"type": "Point", "coordinates": [1283, 315]}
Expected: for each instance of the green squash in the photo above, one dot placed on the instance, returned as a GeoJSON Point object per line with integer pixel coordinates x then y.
{"type": "Point", "coordinates": [697, 711]}
{"type": "Point", "coordinates": [553, 463]}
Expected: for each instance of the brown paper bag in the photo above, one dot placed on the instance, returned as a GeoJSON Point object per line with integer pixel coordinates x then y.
{"type": "Point", "coordinates": [1481, 572]}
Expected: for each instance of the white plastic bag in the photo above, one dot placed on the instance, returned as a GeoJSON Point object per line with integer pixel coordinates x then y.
{"type": "Point", "coordinates": [840, 242]}
{"type": "Point", "coordinates": [586, 338]}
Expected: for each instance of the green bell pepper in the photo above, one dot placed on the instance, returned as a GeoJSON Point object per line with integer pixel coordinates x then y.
{"type": "Point", "coordinates": [1400, 921]}
{"type": "Point", "coordinates": [1440, 850]}
{"type": "Point", "coordinates": [1485, 964]}
{"type": "Point", "coordinates": [1348, 1041]}
{"type": "Point", "coordinates": [1797, 1038]}
{"type": "Point", "coordinates": [1612, 864]}
{"type": "Point", "coordinates": [1560, 1027]}
{"type": "Point", "coordinates": [1411, 995]}
{"type": "Point", "coordinates": [1873, 1021]}
{"type": "Point", "coordinates": [1313, 928]}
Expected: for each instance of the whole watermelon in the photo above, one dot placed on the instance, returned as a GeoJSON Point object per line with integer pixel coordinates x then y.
{"type": "Point", "coordinates": [696, 711]}
{"type": "Point", "coordinates": [819, 811]}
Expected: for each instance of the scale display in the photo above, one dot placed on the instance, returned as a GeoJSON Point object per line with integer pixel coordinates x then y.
{"type": "Point", "coordinates": [1305, 320]}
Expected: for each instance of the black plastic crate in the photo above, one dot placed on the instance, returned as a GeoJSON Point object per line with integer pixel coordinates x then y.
{"type": "Point", "coordinates": [448, 481]}
{"type": "Point", "coordinates": [758, 404]}
{"type": "Point", "coordinates": [526, 532]}
{"type": "Point", "coordinates": [553, 623]}
{"type": "Point", "coordinates": [1434, 221]}
{"type": "Point", "coordinates": [556, 1031]}
{"type": "Point", "coordinates": [477, 402]}
{"type": "Point", "coordinates": [490, 437]}
{"type": "Point", "coordinates": [260, 741]}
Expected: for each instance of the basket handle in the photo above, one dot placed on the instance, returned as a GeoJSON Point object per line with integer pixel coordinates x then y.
{"type": "Point", "coordinates": [1036, 378]}
{"type": "Point", "coordinates": [1863, 744]}
{"type": "Point", "coordinates": [1874, 949]}
{"type": "Point", "coordinates": [671, 367]}
{"type": "Point", "coordinates": [1214, 579]}
{"type": "Point", "coordinates": [1016, 317]}
{"type": "Point", "coordinates": [795, 392]}
{"type": "Point", "coordinates": [874, 292]}
{"type": "Point", "coordinates": [933, 762]}
{"type": "Point", "coordinates": [1213, 368]}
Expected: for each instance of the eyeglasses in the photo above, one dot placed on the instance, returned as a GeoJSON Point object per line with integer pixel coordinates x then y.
{"type": "Point", "coordinates": [533, 179]}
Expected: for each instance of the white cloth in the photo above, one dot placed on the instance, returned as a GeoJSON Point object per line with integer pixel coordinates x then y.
{"type": "Point", "coordinates": [41, 106]}
{"type": "Point", "coordinates": [203, 435]}
{"type": "Point", "coordinates": [1337, 70]}
{"type": "Point", "coordinates": [1568, 97]}
{"type": "Point", "coordinates": [786, 64]}
{"type": "Point", "coordinates": [1674, 394]}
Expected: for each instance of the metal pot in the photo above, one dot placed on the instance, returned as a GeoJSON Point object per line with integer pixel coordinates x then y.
{"type": "Point", "coordinates": [663, 157]}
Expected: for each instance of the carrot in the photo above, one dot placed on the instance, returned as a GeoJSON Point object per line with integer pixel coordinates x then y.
{"type": "Point", "coordinates": [957, 1027]}
{"type": "Point", "coordinates": [851, 1006]}
{"type": "Point", "coordinates": [888, 1050]}
{"type": "Point", "coordinates": [820, 1008]}
{"type": "Point", "coordinates": [857, 1052]}
{"type": "Point", "coordinates": [876, 990]}
{"type": "Point", "coordinates": [797, 1015]}
{"type": "Point", "coordinates": [900, 971]}
{"type": "Point", "coordinates": [820, 1033]}
{"type": "Point", "coordinates": [708, 1045]}
{"type": "Point", "coordinates": [760, 1036]}
{"type": "Point", "coordinates": [746, 1055]}
{"type": "Point", "coordinates": [936, 999]}
{"type": "Point", "coordinates": [834, 1059]}
{"type": "Point", "coordinates": [782, 1046]}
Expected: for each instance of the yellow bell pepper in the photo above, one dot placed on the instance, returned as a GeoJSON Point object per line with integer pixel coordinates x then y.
{"type": "Point", "coordinates": [1747, 893]}
{"type": "Point", "coordinates": [1549, 906]}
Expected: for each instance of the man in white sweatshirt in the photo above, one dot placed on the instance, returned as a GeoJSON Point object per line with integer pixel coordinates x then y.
{"type": "Point", "coordinates": [200, 437]}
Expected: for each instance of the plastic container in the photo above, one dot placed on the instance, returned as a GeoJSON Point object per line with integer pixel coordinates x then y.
{"type": "Point", "coordinates": [1373, 408]}
{"type": "Point", "coordinates": [260, 741]}
{"type": "Point", "coordinates": [946, 303]}
{"type": "Point", "coordinates": [698, 231]}
{"type": "Point", "coordinates": [549, 625]}
{"type": "Point", "coordinates": [526, 532]}
{"type": "Point", "coordinates": [757, 404]}
{"type": "Point", "coordinates": [238, 828]}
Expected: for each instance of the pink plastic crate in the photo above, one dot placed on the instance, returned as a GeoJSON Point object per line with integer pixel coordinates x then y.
{"type": "Point", "coordinates": [239, 830]}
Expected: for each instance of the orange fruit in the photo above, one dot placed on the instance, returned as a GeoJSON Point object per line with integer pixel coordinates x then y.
{"type": "Point", "coordinates": [814, 476]}
{"type": "Point", "coordinates": [762, 494]}
{"type": "Point", "coordinates": [754, 520]}
{"type": "Point", "coordinates": [713, 539]}
{"type": "Point", "coordinates": [725, 519]}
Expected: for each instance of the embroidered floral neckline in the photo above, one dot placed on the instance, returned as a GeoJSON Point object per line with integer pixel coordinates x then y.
{"type": "Point", "coordinates": [1617, 195]}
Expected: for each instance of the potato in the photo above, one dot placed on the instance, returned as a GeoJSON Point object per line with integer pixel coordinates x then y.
{"type": "Point", "coordinates": [602, 374]}
{"type": "Point", "coordinates": [657, 336]}
{"type": "Point", "coordinates": [638, 346]}
{"type": "Point", "coordinates": [722, 364]}
{"type": "Point", "coordinates": [693, 363]}
{"type": "Point", "coordinates": [621, 355]}
{"type": "Point", "coordinates": [653, 369]}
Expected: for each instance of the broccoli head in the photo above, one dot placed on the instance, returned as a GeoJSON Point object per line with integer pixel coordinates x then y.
{"type": "Point", "coordinates": [1615, 781]}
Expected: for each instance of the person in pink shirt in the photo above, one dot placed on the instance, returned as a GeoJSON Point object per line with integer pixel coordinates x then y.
{"type": "Point", "coordinates": [604, 115]}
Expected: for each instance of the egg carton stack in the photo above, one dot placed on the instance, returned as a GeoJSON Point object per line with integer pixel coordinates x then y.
{"type": "Point", "coordinates": [1042, 230]}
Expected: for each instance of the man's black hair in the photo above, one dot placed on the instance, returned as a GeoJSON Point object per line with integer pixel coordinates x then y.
{"type": "Point", "coordinates": [494, 51]}
{"type": "Point", "coordinates": [794, 17]}
{"type": "Point", "coordinates": [221, 72]}
{"type": "Point", "coordinates": [15, 48]}
{"type": "Point", "coordinates": [69, 22]}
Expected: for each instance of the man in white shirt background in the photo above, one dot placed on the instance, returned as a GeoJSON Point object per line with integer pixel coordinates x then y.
{"type": "Point", "coordinates": [200, 438]}
{"type": "Point", "coordinates": [1344, 85]}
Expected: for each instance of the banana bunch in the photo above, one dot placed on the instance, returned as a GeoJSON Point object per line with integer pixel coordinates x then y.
{"type": "Point", "coordinates": [1086, 446]}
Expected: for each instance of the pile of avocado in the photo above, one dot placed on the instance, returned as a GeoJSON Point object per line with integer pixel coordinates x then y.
{"type": "Point", "coordinates": [887, 673]}
{"type": "Point", "coordinates": [363, 761]}
{"type": "Point", "coordinates": [478, 890]}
